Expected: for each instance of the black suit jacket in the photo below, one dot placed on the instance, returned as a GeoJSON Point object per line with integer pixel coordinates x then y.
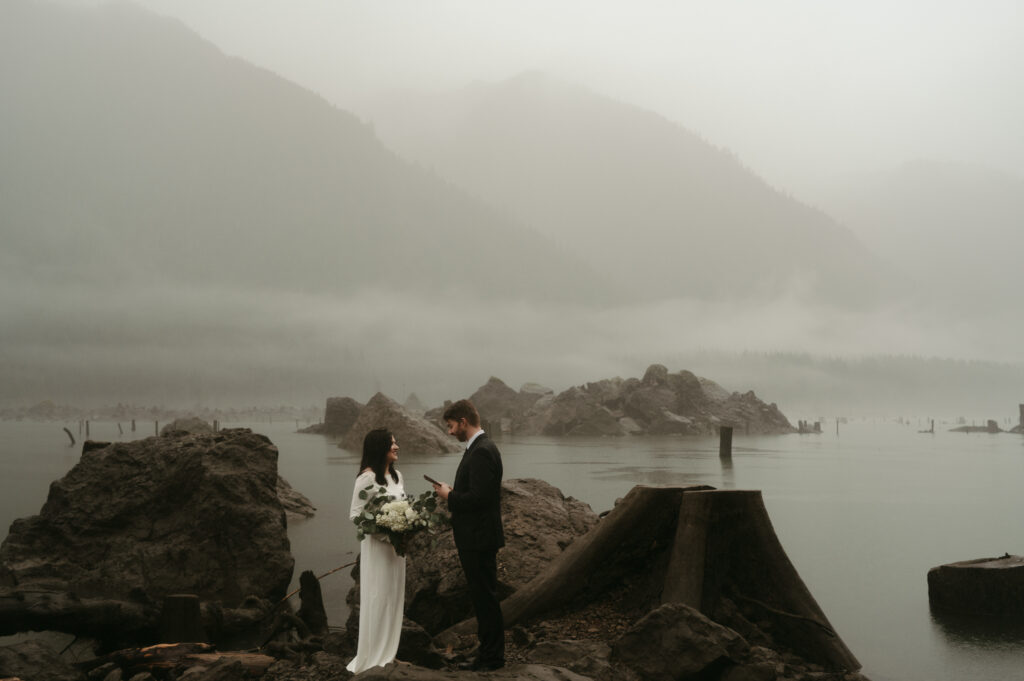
{"type": "Point", "coordinates": [475, 499]}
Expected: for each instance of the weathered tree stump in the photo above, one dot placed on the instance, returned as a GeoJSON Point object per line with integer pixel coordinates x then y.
{"type": "Point", "coordinates": [181, 620]}
{"type": "Point", "coordinates": [726, 550]}
{"type": "Point", "coordinates": [715, 551]}
{"type": "Point", "coordinates": [992, 587]}
{"type": "Point", "coordinates": [644, 519]}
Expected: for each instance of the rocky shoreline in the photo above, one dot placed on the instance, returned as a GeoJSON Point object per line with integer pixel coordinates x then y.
{"type": "Point", "coordinates": [134, 526]}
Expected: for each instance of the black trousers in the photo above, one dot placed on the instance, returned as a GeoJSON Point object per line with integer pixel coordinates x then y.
{"type": "Point", "coordinates": [481, 568]}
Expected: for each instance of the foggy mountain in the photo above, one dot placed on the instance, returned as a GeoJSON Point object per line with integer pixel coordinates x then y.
{"type": "Point", "coordinates": [127, 136]}
{"type": "Point", "coordinates": [956, 229]}
{"type": "Point", "coordinates": [181, 227]}
{"type": "Point", "coordinates": [630, 190]}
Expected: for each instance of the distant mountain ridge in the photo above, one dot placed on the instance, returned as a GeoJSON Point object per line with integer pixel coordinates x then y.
{"type": "Point", "coordinates": [127, 136]}
{"type": "Point", "coordinates": [630, 190]}
{"type": "Point", "coordinates": [956, 228]}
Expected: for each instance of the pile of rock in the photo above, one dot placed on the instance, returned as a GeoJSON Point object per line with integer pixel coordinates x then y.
{"type": "Point", "coordinates": [660, 403]}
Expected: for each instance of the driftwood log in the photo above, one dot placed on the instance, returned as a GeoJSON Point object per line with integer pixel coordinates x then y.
{"type": "Point", "coordinates": [706, 548]}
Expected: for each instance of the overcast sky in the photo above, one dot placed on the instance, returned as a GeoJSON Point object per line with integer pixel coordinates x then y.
{"type": "Point", "coordinates": [800, 90]}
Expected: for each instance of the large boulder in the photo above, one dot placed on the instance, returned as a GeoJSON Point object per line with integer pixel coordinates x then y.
{"type": "Point", "coordinates": [339, 415]}
{"type": "Point", "coordinates": [414, 434]}
{"type": "Point", "coordinates": [134, 522]}
{"type": "Point", "coordinates": [675, 641]}
{"type": "Point", "coordinates": [539, 522]}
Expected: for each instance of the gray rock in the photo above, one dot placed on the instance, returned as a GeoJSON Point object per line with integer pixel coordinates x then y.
{"type": "Point", "coordinates": [190, 425]}
{"type": "Point", "coordinates": [133, 522]}
{"type": "Point", "coordinates": [675, 641]}
{"type": "Point", "coordinates": [340, 413]}
{"type": "Point", "coordinates": [415, 435]}
{"type": "Point", "coordinates": [295, 504]}
{"type": "Point", "coordinates": [413, 404]}
{"type": "Point", "coordinates": [33, 660]}
{"type": "Point", "coordinates": [661, 403]}
{"type": "Point", "coordinates": [589, 658]}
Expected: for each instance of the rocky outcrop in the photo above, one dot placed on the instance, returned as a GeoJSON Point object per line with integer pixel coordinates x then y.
{"type": "Point", "coordinates": [134, 522]}
{"type": "Point", "coordinates": [295, 504]}
{"type": "Point", "coordinates": [500, 406]}
{"type": "Point", "coordinates": [339, 415]}
{"type": "Point", "coordinates": [539, 523]}
{"type": "Point", "coordinates": [414, 434]}
{"type": "Point", "coordinates": [188, 425]}
{"type": "Point", "coordinates": [661, 403]}
{"type": "Point", "coordinates": [413, 404]}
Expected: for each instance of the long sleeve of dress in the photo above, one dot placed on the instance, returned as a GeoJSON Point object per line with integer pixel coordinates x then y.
{"type": "Point", "coordinates": [363, 481]}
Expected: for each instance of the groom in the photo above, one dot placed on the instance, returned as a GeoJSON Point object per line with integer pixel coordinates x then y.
{"type": "Point", "coordinates": [475, 505]}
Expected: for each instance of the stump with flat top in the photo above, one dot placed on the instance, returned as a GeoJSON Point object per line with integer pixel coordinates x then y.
{"type": "Point", "coordinates": [984, 586]}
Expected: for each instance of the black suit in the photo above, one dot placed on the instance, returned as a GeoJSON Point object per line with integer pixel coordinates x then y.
{"type": "Point", "coordinates": [475, 505]}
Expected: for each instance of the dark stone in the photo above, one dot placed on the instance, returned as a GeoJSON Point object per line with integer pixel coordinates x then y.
{"type": "Point", "coordinates": [675, 641]}
{"type": "Point", "coordinates": [339, 415]}
{"type": "Point", "coordinates": [134, 522]}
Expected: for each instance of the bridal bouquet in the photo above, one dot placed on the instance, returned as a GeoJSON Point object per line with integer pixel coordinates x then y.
{"type": "Point", "coordinates": [397, 518]}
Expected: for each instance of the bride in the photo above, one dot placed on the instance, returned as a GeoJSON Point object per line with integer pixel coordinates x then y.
{"type": "Point", "coordinates": [381, 570]}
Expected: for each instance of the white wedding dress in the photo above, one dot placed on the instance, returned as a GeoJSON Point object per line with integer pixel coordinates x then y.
{"type": "Point", "coordinates": [381, 587]}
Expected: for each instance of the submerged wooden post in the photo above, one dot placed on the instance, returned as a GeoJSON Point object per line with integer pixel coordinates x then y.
{"type": "Point", "coordinates": [133, 425]}
{"type": "Point", "coordinates": [70, 436]}
{"type": "Point", "coordinates": [724, 442]}
{"type": "Point", "coordinates": [156, 427]}
{"type": "Point", "coordinates": [180, 620]}
{"type": "Point", "coordinates": [87, 429]}
{"type": "Point", "coordinates": [312, 610]}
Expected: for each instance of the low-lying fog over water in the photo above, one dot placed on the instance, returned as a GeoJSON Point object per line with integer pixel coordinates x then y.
{"type": "Point", "coordinates": [862, 515]}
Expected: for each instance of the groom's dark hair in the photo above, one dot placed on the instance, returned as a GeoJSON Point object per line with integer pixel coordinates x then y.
{"type": "Point", "coordinates": [463, 409]}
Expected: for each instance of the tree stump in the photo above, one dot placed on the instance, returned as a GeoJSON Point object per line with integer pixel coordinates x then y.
{"type": "Point", "coordinates": [180, 620]}
{"type": "Point", "coordinates": [713, 550]}
{"type": "Point", "coordinates": [726, 550]}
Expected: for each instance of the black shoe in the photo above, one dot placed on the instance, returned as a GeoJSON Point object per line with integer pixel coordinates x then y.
{"type": "Point", "coordinates": [490, 666]}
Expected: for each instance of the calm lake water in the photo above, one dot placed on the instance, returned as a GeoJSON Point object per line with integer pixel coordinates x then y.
{"type": "Point", "coordinates": [862, 515]}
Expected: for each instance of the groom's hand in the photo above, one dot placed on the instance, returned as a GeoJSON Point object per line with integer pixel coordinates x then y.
{"type": "Point", "coordinates": [442, 490]}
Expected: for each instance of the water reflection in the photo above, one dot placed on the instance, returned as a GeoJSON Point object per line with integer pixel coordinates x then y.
{"type": "Point", "coordinates": [975, 631]}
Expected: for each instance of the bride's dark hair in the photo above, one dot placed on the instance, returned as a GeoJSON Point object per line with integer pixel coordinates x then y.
{"type": "Point", "coordinates": [376, 446]}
